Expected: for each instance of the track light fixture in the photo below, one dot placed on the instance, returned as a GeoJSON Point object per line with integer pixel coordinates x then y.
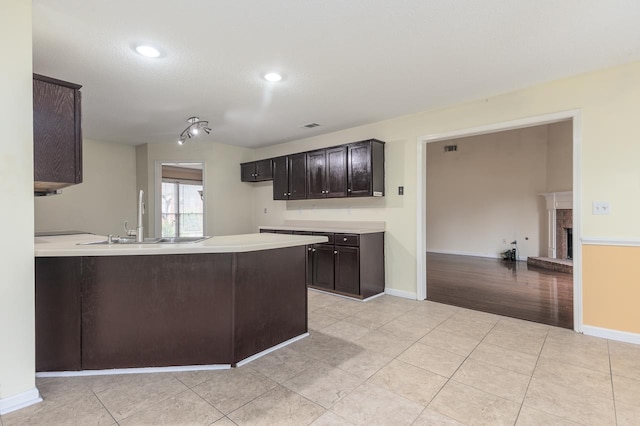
{"type": "Point", "coordinates": [193, 129]}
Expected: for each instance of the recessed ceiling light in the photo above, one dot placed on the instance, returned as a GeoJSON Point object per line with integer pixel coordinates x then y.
{"type": "Point", "coordinates": [148, 51]}
{"type": "Point", "coordinates": [273, 77]}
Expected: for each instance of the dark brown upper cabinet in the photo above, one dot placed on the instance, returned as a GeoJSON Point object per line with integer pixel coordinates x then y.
{"type": "Point", "coordinates": [57, 134]}
{"type": "Point", "coordinates": [350, 170]}
{"type": "Point", "coordinates": [366, 169]}
{"type": "Point", "coordinates": [289, 177]}
{"type": "Point", "coordinates": [327, 173]}
{"type": "Point", "coordinates": [256, 171]}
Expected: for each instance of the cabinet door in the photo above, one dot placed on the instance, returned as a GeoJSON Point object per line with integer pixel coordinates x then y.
{"type": "Point", "coordinates": [280, 178]}
{"type": "Point", "coordinates": [264, 170]}
{"type": "Point", "coordinates": [336, 172]}
{"type": "Point", "coordinates": [316, 174]}
{"type": "Point", "coordinates": [323, 260]}
{"type": "Point", "coordinates": [57, 139]}
{"type": "Point", "coordinates": [347, 268]}
{"type": "Point", "coordinates": [297, 176]}
{"type": "Point", "coordinates": [247, 172]}
{"type": "Point", "coordinates": [359, 166]}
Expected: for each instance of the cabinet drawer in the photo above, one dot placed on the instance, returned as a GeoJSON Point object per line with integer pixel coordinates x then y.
{"type": "Point", "coordinates": [329, 235]}
{"type": "Point", "coordinates": [347, 240]}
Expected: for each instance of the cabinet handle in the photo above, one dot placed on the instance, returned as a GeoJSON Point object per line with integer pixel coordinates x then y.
{"type": "Point", "coordinates": [335, 252]}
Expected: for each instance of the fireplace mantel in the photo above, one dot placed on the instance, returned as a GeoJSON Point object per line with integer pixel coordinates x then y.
{"type": "Point", "coordinates": [555, 201]}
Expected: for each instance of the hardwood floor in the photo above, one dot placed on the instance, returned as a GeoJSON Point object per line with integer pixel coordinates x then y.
{"type": "Point", "coordinates": [500, 287]}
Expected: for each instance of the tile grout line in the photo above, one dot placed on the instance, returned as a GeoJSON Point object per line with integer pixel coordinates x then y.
{"type": "Point", "coordinates": [103, 406]}
{"type": "Point", "coordinates": [613, 391]}
{"type": "Point", "coordinates": [456, 370]}
{"type": "Point", "coordinates": [532, 373]}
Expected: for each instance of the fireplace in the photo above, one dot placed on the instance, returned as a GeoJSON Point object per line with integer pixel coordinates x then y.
{"type": "Point", "coordinates": [559, 225]}
{"type": "Point", "coordinates": [564, 224]}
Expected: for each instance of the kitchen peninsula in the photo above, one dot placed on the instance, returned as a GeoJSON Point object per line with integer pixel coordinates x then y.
{"type": "Point", "coordinates": [215, 302]}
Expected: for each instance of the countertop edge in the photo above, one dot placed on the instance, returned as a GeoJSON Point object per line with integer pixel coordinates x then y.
{"type": "Point", "coordinates": [68, 246]}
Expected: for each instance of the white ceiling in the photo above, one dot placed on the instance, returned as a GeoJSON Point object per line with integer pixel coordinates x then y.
{"type": "Point", "coordinates": [346, 62]}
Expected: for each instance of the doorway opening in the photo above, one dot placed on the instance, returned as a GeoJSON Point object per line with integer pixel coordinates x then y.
{"type": "Point", "coordinates": [450, 256]}
{"type": "Point", "coordinates": [181, 200]}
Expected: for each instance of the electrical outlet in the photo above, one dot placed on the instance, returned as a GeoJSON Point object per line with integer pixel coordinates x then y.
{"type": "Point", "coordinates": [265, 210]}
{"type": "Point", "coordinates": [600, 207]}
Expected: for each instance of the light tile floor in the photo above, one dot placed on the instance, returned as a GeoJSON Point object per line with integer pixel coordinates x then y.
{"type": "Point", "coordinates": [388, 361]}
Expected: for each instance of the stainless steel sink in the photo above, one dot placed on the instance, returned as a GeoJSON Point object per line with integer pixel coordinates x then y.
{"type": "Point", "coordinates": [179, 240]}
{"type": "Point", "coordinates": [164, 240]}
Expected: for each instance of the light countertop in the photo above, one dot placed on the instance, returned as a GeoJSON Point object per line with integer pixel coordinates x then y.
{"type": "Point", "coordinates": [344, 227]}
{"type": "Point", "coordinates": [67, 245]}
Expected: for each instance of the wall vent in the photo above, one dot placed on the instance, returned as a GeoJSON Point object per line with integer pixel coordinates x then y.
{"type": "Point", "coordinates": [450, 148]}
{"type": "Point", "coordinates": [311, 125]}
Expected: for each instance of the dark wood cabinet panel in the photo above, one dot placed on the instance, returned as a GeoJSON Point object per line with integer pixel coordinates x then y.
{"type": "Point", "coordinates": [323, 266]}
{"type": "Point", "coordinates": [270, 299]}
{"type": "Point", "coordinates": [347, 269]}
{"type": "Point", "coordinates": [57, 134]}
{"type": "Point", "coordinates": [140, 319]}
{"type": "Point", "coordinates": [366, 169]}
{"type": "Point", "coordinates": [280, 178]}
{"type": "Point", "coordinates": [256, 171]}
{"type": "Point", "coordinates": [316, 174]}
{"type": "Point", "coordinates": [247, 172]}
{"type": "Point", "coordinates": [297, 176]}
{"type": "Point", "coordinates": [58, 313]}
{"type": "Point", "coordinates": [336, 176]}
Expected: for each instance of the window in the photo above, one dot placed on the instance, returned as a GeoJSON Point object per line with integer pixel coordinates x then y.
{"type": "Point", "coordinates": [182, 209]}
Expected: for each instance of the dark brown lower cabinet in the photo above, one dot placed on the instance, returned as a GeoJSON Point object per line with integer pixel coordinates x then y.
{"type": "Point", "coordinates": [323, 266]}
{"type": "Point", "coordinates": [165, 310]}
{"type": "Point", "coordinates": [349, 264]}
{"type": "Point", "coordinates": [347, 269]}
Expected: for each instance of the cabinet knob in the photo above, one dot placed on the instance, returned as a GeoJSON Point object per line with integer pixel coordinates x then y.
{"type": "Point", "coordinates": [349, 190]}
{"type": "Point", "coordinates": [285, 194]}
{"type": "Point", "coordinates": [309, 249]}
{"type": "Point", "coordinates": [289, 194]}
{"type": "Point", "coordinates": [314, 250]}
{"type": "Point", "coordinates": [344, 239]}
{"type": "Point", "coordinates": [335, 252]}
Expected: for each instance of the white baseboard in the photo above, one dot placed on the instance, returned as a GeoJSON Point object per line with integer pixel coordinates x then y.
{"type": "Point", "coordinates": [469, 253]}
{"type": "Point", "coordinates": [21, 400]}
{"type": "Point", "coordinates": [113, 371]}
{"type": "Point", "coordinates": [621, 336]}
{"type": "Point", "coordinates": [271, 349]}
{"type": "Point", "coordinates": [400, 293]}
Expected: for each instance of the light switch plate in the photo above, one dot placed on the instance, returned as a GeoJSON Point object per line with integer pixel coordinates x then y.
{"type": "Point", "coordinates": [600, 207]}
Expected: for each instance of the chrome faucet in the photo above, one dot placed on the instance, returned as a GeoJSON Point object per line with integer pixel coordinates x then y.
{"type": "Point", "coordinates": [139, 231]}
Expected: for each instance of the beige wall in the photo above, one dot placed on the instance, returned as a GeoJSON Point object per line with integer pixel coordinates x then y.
{"type": "Point", "coordinates": [607, 101]}
{"type": "Point", "coordinates": [17, 329]}
{"type": "Point", "coordinates": [560, 157]}
{"type": "Point", "coordinates": [102, 202]}
{"type": "Point", "coordinates": [229, 203]}
{"type": "Point", "coordinates": [486, 194]}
